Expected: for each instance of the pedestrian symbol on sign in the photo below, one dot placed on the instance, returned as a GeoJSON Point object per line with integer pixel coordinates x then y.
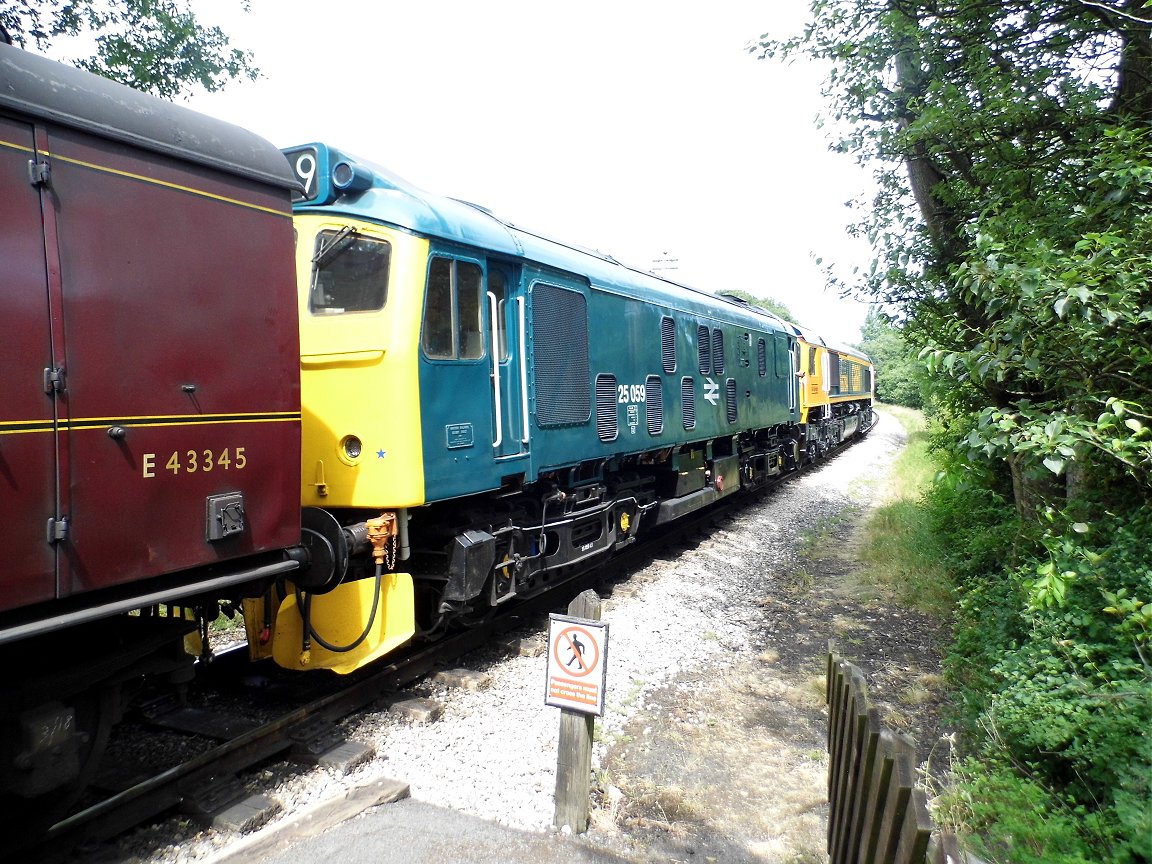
{"type": "Point", "coordinates": [577, 649]}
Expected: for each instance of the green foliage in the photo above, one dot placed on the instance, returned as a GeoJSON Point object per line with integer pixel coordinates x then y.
{"type": "Point", "coordinates": [1019, 133]}
{"type": "Point", "coordinates": [157, 46]}
{"type": "Point", "coordinates": [1013, 238]}
{"type": "Point", "coordinates": [1067, 338]}
{"type": "Point", "coordinates": [1053, 660]}
{"type": "Point", "coordinates": [1005, 816]}
{"type": "Point", "coordinates": [901, 379]}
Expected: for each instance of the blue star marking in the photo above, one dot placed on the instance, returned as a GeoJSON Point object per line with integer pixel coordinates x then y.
{"type": "Point", "coordinates": [380, 454]}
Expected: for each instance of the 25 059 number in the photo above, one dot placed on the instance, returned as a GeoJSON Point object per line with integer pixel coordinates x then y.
{"type": "Point", "coordinates": [193, 461]}
{"type": "Point", "coordinates": [626, 393]}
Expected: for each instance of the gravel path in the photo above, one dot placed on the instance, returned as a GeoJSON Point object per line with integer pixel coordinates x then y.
{"type": "Point", "coordinates": [711, 747]}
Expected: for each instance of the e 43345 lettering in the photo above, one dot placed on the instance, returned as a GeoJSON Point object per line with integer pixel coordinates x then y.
{"type": "Point", "coordinates": [193, 461]}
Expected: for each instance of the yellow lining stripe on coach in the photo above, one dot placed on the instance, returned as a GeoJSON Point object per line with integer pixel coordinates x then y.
{"type": "Point", "coordinates": [17, 427]}
{"type": "Point", "coordinates": [166, 184]}
{"type": "Point", "coordinates": [144, 179]}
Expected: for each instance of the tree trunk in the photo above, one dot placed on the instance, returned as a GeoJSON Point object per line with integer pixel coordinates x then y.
{"type": "Point", "coordinates": [1133, 96]}
{"type": "Point", "coordinates": [1032, 491]}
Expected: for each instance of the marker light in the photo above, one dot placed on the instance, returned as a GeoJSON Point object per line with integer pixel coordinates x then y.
{"type": "Point", "coordinates": [349, 177]}
{"type": "Point", "coordinates": [352, 447]}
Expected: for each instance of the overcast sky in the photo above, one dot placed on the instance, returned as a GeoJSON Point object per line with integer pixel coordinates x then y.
{"type": "Point", "coordinates": [641, 128]}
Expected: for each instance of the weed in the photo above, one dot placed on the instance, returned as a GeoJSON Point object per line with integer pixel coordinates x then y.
{"type": "Point", "coordinates": [1008, 817]}
{"type": "Point", "coordinates": [667, 804]}
{"type": "Point", "coordinates": [227, 623]}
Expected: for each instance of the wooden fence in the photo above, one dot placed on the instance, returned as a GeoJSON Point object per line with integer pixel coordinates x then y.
{"type": "Point", "coordinates": [877, 813]}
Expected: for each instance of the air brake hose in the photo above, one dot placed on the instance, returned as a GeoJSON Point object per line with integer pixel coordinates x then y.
{"type": "Point", "coordinates": [381, 532]}
{"type": "Point", "coordinates": [310, 632]}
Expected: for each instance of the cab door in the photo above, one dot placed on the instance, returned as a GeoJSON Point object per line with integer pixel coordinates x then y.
{"type": "Point", "coordinates": [471, 374]}
{"type": "Point", "coordinates": [28, 425]}
{"type": "Point", "coordinates": [505, 329]}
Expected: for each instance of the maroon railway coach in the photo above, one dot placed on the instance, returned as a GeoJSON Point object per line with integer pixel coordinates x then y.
{"type": "Point", "coordinates": [149, 387]}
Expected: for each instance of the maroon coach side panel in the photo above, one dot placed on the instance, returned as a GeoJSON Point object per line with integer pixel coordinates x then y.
{"type": "Point", "coordinates": [149, 395]}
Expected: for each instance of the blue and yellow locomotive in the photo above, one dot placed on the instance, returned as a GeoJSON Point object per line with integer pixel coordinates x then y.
{"type": "Point", "coordinates": [500, 409]}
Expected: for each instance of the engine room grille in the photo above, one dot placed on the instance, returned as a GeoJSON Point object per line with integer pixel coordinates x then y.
{"type": "Point", "coordinates": [668, 343]}
{"type": "Point", "coordinates": [762, 357]}
{"type": "Point", "coordinates": [718, 352]}
{"type": "Point", "coordinates": [606, 423]}
{"type": "Point", "coordinates": [704, 348]}
{"type": "Point", "coordinates": [560, 345]}
{"type": "Point", "coordinates": [730, 399]}
{"type": "Point", "coordinates": [654, 404]}
{"type": "Point", "coordinates": [688, 402]}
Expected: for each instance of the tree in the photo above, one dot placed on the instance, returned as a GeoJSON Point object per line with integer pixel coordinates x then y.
{"type": "Point", "coordinates": [157, 46]}
{"type": "Point", "coordinates": [1013, 239]}
{"type": "Point", "coordinates": [900, 376]}
{"type": "Point", "coordinates": [1017, 132]}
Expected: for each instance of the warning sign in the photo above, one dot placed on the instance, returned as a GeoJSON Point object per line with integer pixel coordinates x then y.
{"type": "Point", "coordinates": [577, 650]}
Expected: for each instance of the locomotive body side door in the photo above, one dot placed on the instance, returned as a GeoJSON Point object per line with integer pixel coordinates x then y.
{"type": "Point", "coordinates": [28, 469]}
{"type": "Point", "coordinates": [506, 330]}
{"type": "Point", "coordinates": [471, 366]}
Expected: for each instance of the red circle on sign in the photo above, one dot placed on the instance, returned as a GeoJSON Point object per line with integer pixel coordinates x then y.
{"type": "Point", "coordinates": [568, 642]}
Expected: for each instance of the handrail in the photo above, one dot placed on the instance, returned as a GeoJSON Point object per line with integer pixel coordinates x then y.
{"type": "Point", "coordinates": [523, 372]}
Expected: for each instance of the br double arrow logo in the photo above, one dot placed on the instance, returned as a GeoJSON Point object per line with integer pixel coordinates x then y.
{"type": "Point", "coordinates": [711, 391]}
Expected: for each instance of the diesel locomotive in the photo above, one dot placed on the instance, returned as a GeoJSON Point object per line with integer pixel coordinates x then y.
{"type": "Point", "coordinates": [293, 384]}
{"type": "Point", "coordinates": [512, 408]}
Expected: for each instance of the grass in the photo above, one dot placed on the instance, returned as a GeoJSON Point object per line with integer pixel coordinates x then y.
{"type": "Point", "coordinates": [820, 541]}
{"type": "Point", "coordinates": [900, 552]}
{"type": "Point", "coordinates": [227, 623]}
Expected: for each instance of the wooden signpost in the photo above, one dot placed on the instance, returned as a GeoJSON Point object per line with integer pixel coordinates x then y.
{"type": "Point", "coordinates": [577, 655]}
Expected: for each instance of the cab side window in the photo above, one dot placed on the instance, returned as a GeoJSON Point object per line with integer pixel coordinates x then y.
{"type": "Point", "coordinates": [453, 311]}
{"type": "Point", "coordinates": [349, 273]}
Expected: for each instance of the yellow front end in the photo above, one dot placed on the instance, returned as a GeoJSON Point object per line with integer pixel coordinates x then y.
{"type": "Point", "coordinates": [361, 446]}
{"type": "Point", "coordinates": [358, 381]}
{"type": "Point", "coordinates": [813, 396]}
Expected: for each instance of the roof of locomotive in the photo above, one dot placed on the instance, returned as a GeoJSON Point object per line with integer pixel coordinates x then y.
{"type": "Point", "coordinates": [811, 338]}
{"type": "Point", "coordinates": [804, 334]}
{"type": "Point", "coordinates": [44, 89]}
{"type": "Point", "coordinates": [390, 199]}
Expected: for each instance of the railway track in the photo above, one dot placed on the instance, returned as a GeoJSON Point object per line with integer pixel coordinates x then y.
{"type": "Point", "coordinates": [207, 784]}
